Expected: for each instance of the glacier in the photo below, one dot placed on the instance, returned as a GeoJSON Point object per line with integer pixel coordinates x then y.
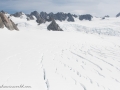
{"type": "Point", "coordinates": [85, 56]}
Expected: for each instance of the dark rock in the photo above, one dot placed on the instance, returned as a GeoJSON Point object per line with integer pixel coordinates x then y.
{"type": "Point", "coordinates": [43, 15]}
{"type": "Point", "coordinates": [7, 22]}
{"type": "Point", "coordinates": [35, 13]}
{"type": "Point", "coordinates": [70, 18]}
{"type": "Point", "coordinates": [103, 18]}
{"type": "Point", "coordinates": [17, 14]}
{"type": "Point", "coordinates": [50, 17]}
{"type": "Point", "coordinates": [39, 18]}
{"type": "Point", "coordinates": [75, 16]}
{"type": "Point", "coordinates": [118, 15]}
{"type": "Point", "coordinates": [60, 16]}
{"type": "Point", "coordinates": [54, 26]}
{"type": "Point", "coordinates": [3, 12]}
{"type": "Point", "coordinates": [86, 17]}
{"type": "Point", "coordinates": [106, 17]}
{"type": "Point", "coordinates": [29, 17]}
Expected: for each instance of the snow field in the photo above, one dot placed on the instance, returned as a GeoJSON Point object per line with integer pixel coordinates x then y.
{"type": "Point", "coordinates": [85, 56]}
{"type": "Point", "coordinates": [59, 60]}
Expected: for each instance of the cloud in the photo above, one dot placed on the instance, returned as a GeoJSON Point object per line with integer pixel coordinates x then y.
{"type": "Point", "coordinates": [95, 7]}
{"type": "Point", "coordinates": [78, 12]}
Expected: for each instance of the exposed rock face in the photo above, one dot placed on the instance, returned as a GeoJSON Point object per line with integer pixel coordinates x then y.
{"type": "Point", "coordinates": [3, 12]}
{"type": "Point", "coordinates": [103, 18]}
{"type": "Point", "coordinates": [60, 16]}
{"type": "Point", "coordinates": [107, 16]}
{"type": "Point", "coordinates": [17, 14]}
{"type": "Point", "coordinates": [70, 18]}
{"type": "Point", "coordinates": [39, 18]}
{"type": "Point", "coordinates": [54, 26]}
{"type": "Point", "coordinates": [118, 15]}
{"type": "Point", "coordinates": [7, 22]}
{"type": "Point", "coordinates": [1, 23]}
{"type": "Point", "coordinates": [75, 16]}
{"type": "Point", "coordinates": [86, 17]}
{"type": "Point", "coordinates": [29, 17]}
{"type": "Point", "coordinates": [35, 13]}
{"type": "Point", "coordinates": [50, 16]}
{"type": "Point", "coordinates": [43, 15]}
{"type": "Point", "coordinates": [14, 25]}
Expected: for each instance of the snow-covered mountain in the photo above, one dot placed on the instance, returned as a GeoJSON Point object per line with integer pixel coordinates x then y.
{"type": "Point", "coordinates": [67, 22]}
{"type": "Point", "coordinates": [84, 56]}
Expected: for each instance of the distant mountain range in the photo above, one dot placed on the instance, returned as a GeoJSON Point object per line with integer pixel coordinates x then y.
{"type": "Point", "coordinates": [43, 17]}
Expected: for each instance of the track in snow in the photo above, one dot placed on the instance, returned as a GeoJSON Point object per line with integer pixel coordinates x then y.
{"type": "Point", "coordinates": [59, 61]}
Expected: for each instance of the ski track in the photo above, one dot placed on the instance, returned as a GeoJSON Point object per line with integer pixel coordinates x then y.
{"type": "Point", "coordinates": [68, 66]}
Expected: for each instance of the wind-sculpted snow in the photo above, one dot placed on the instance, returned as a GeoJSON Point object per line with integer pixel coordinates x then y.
{"type": "Point", "coordinates": [59, 60]}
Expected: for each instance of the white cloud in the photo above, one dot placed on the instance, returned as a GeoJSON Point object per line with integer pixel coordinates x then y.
{"type": "Point", "coordinates": [78, 12]}
{"type": "Point", "coordinates": [95, 7]}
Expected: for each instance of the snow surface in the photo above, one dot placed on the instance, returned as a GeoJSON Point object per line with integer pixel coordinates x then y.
{"type": "Point", "coordinates": [85, 56]}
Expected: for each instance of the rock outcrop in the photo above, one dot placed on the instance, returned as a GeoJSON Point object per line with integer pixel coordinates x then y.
{"type": "Point", "coordinates": [1, 23]}
{"type": "Point", "coordinates": [5, 21]}
{"type": "Point", "coordinates": [3, 12]}
{"type": "Point", "coordinates": [70, 18]}
{"type": "Point", "coordinates": [35, 13]}
{"type": "Point", "coordinates": [17, 14]}
{"type": "Point", "coordinates": [50, 16]}
{"type": "Point", "coordinates": [61, 16]}
{"type": "Point", "coordinates": [54, 26]}
{"type": "Point", "coordinates": [86, 17]}
{"type": "Point", "coordinates": [107, 16]}
{"type": "Point", "coordinates": [44, 15]}
{"type": "Point", "coordinates": [29, 17]}
{"type": "Point", "coordinates": [118, 15]}
{"type": "Point", "coordinates": [39, 18]}
{"type": "Point", "coordinates": [14, 25]}
{"type": "Point", "coordinates": [75, 16]}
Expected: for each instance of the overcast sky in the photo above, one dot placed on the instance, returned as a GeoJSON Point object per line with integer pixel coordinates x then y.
{"type": "Point", "coordinates": [93, 7]}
